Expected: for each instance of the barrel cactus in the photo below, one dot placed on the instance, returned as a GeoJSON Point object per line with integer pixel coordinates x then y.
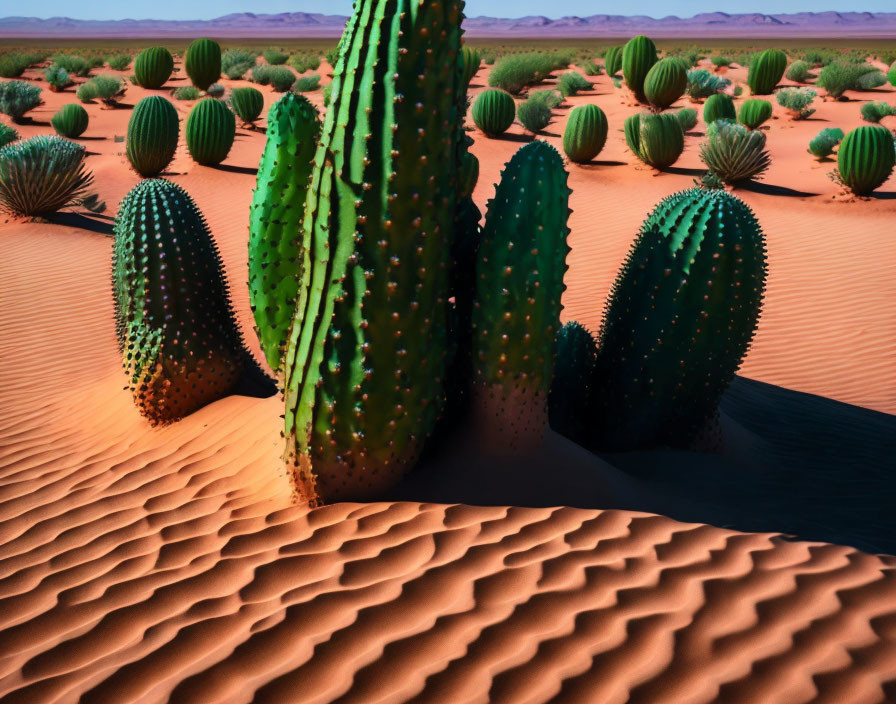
{"type": "Point", "coordinates": [493, 111]}
{"type": "Point", "coordinates": [276, 214]}
{"type": "Point", "coordinates": [152, 136]}
{"type": "Point", "coordinates": [754, 112]}
{"type": "Point", "coordinates": [153, 66]}
{"type": "Point", "coordinates": [766, 71]}
{"type": "Point", "coordinates": [570, 398]}
{"type": "Point", "coordinates": [247, 103]}
{"type": "Point", "coordinates": [657, 140]}
{"type": "Point", "coordinates": [688, 118]}
{"type": "Point", "coordinates": [638, 57]}
{"type": "Point", "coordinates": [719, 107]}
{"type": "Point", "coordinates": [210, 130]}
{"type": "Point", "coordinates": [176, 329]}
{"type": "Point", "coordinates": [71, 121]}
{"type": "Point", "coordinates": [613, 60]}
{"type": "Point", "coordinates": [585, 133]}
{"type": "Point", "coordinates": [866, 158]}
{"type": "Point", "coordinates": [734, 153]}
{"type": "Point", "coordinates": [472, 59]}
{"type": "Point", "coordinates": [891, 75]}
{"type": "Point", "coordinates": [679, 321]}
{"type": "Point", "coordinates": [203, 62]}
{"type": "Point", "coordinates": [665, 82]}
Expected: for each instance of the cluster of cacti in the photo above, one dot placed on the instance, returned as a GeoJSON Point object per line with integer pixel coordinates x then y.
{"type": "Point", "coordinates": [493, 111]}
{"type": "Point", "coordinates": [153, 66]}
{"type": "Point", "coordinates": [638, 57]}
{"type": "Point", "coordinates": [665, 82]}
{"type": "Point", "coordinates": [70, 121]}
{"type": "Point", "coordinates": [688, 118]}
{"type": "Point", "coordinates": [719, 107]}
{"type": "Point", "coordinates": [585, 133]}
{"type": "Point", "coordinates": [754, 112]}
{"type": "Point", "coordinates": [657, 140]}
{"type": "Point", "coordinates": [866, 158]}
{"type": "Point", "coordinates": [209, 132]}
{"type": "Point", "coordinates": [176, 330]}
{"type": "Point", "coordinates": [766, 71]}
{"type": "Point", "coordinates": [203, 62]}
{"type": "Point", "coordinates": [613, 60]}
{"type": "Point", "coordinates": [152, 136]}
{"type": "Point", "coordinates": [247, 104]}
{"type": "Point", "coordinates": [17, 98]}
{"type": "Point", "coordinates": [822, 145]}
{"type": "Point", "coordinates": [733, 152]}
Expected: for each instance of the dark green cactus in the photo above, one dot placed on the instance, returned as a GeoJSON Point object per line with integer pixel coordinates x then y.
{"type": "Point", "coordinates": [865, 158]}
{"type": "Point", "coordinates": [469, 175]}
{"type": "Point", "coordinates": [365, 364]}
{"type": "Point", "coordinates": [585, 133]}
{"type": "Point", "coordinates": [275, 220]}
{"type": "Point", "coordinates": [657, 140]}
{"type": "Point", "coordinates": [472, 59]}
{"type": "Point", "coordinates": [613, 60]}
{"type": "Point", "coordinates": [719, 107]}
{"type": "Point", "coordinates": [570, 398]}
{"type": "Point", "coordinates": [247, 103]}
{"type": "Point", "coordinates": [70, 121]}
{"type": "Point", "coordinates": [680, 318]}
{"type": "Point", "coordinates": [493, 111]}
{"type": "Point", "coordinates": [766, 71]}
{"type": "Point", "coordinates": [203, 62]}
{"type": "Point", "coordinates": [754, 112]}
{"type": "Point", "coordinates": [176, 330]}
{"type": "Point", "coordinates": [638, 56]}
{"type": "Point", "coordinates": [210, 130]}
{"type": "Point", "coordinates": [152, 136]}
{"type": "Point", "coordinates": [153, 67]}
{"type": "Point", "coordinates": [665, 82]}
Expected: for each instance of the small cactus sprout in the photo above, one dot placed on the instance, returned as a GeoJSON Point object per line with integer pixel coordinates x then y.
{"type": "Point", "coordinates": [585, 133]}
{"type": "Point", "coordinates": [152, 136]}
{"type": "Point", "coordinates": [493, 111]}
{"type": "Point", "coordinates": [866, 158]}
{"type": "Point", "coordinates": [766, 70]}
{"type": "Point", "coordinates": [688, 118]}
{"type": "Point", "coordinates": [70, 121]}
{"type": "Point", "coordinates": [754, 112]}
{"type": "Point", "coordinates": [203, 62]}
{"type": "Point", "coordinates": [613, 60]}
{"type": "Point", "coordinates": [657, 140]}
{"type": "Point", "coordinates": [247, 103]}
{"type": "Point", "coordinates": [153, 66]}
{"type": "Point", "coordinates": [176, 329]}
{"type": "Point", "coordinates": [665, 83]}
{"type": "Point", "coordinates": [210, 131]}
{"type": "Point", "coordinates": [719, 107]}
{"type": "Point", "coordinates": [679, 321]}
{"type": "Point", "coordinates": [733, 152]}
{"type": "Point", "coordinates": [823, 144]}
{"type": "Point", "coordinates": [638, 57]}
{"type": "Point", "coordinates": [569, 399]}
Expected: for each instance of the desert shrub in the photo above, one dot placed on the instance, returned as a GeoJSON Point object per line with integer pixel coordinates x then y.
{"type": "Point", "coordinates": [119, 62]}
{"type": "Point", "coordinates": [186, 93]}
{"type": "Point", "coordinates": [215, 90]}
{"type": "Point", "coordinates": [534, 115]}
{"type": "Point", "coordinates": [107, 89]}
{"type": "Point", "coordinates": [571, 83]}
{"type": "Point", "coordinates": [17, 98]}
{"type": "Point", "coordinates": [591, 69]}
{"type": "Point", "coordinates": [798, 72]}
{"type": "Point", "coordinates": [796, 101]}
{"type": "Point", "coordinates": [872, 79]}
{"type": "Point", "coordinates": [516, 71]}
{"type": "Point", "coordinates": [840, 76]}
{"type": "Point", "coordinates": [875, 110]}
{"type": "Point", "coordinates": [275, 57]}
{"type": "Point", "coordinates": [307, 84]}
{"type": "Point", "coordinates": [235, 62]}
{"type": "Point", "coordinates": [737, 91]}
{"type": "Point", "coordinates": [279, 78]}
{"type": "Point", "coordinates": [702, 84]}
{"type": "Point", "coordinates": [551, 98]}
{"type": "Point", "coordinates": [719, 61]}
{"type": "Point", "coordinates": [332, 56]}
{"type": "Point", "coordinates": [822, 145]}
{"type": "Point", "coordinates": [819, 57]}
{"type": "Point", "coordinates": [733, 152]}
{"type": "Point", "coordinates": [74, 64]}
{"type": "Point", "coordinates": [688, 118]}
{"type": "Point", "coordinates": [12, 65]}
{"type": "Point", "coordinates": [305, 62]}
{"type": "Point", "coordinates": [95, 61]}
{"type": "Point", "coordinates": [57, 77]}
{"type": "Point", "coordinates": [489, 58]}
{"type": "Point", "coordinates": [7, 135]}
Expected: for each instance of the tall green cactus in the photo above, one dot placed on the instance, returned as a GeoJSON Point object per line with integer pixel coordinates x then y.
{"type": "Point", "coordinates": [203, 62]}
{"type": "Point", "coordinates": [657, 140]}
{"type": "Point", "coordinates": [638, 56]}
{"type": "Point", "coordinates": [754, 112]}
{"type": "Point", "coordinates": [181, 345]}
{"type": "Point", "coordinates": [585, 133]}
{"type": "Point", "coordinates": [766, 71]}
{"type": "Point", "coordinates": [719, 106]}
{"type": "Point", "coordinates": [365, 363]}
{"type": "Point", "coordinates": [570, 397]}
{"type": "Point", "coordinates": [493, 111]}
{"type": "Point", "coordinates": [665, 82]}
{"type": "Point", "coordinates": [866, 158]}
{"type": "Point", "coordinates": [613, 60]}
{"type": "Point", "coordinates": [275, 220]}
{"type": "Point", "coordinates": [472, 59]}
{"type": "Point", "coordinates": [153, 66]}
{"type": "Point", "coordinates": [679, 321]}
{"type": "Point", "coordinates": [152, 136]}
{"type": "Point", "coordinates": [210, 130]}
{"type": "Point", "coordinates": [70, 121]}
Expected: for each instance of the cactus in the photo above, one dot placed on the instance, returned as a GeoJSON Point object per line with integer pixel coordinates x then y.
{"type": "Point", "coordinates": [471, 62]}
{"type": "Point", "coordinates": [519, 272]}
{"type": "Point", "coordinates": [569, 400]}
{"type": "Point", "coordinates": [766, 71]}
{"type": "Point", "coordinates": [688, 118]}
{"type": "Point", "coordinates": [638, 56]}
{"type": "Point", "coordinates": [891, 75]}
{"type": "Point", "coordinates": [152, 136]}
{"type": "Point", "coordinates": [866, 158]}
{"type": "Point", "coordinates": [665, 83]}
{"type": "Point", "coordinates": [247, 103]}
{"type": "Point", "coordinates": [754, 112]}
{"type": "Point", "coordinates": [176, 330]}
{"type": "Point", "coordinates": [719, 107]}
{"type": "Point", "coordinates": [210, 130]}
{"type": "Point", "coordinates": [613, 60]}
{"type": "Point", "coordinates": [153, 66]}
{"type": "Point", "coordinates": [493, 111]}
{"type": "Point", "coordinates": [275, 220]}
{"type": "Point", "coordinates": [203, 62]}
{"type": "Point", "coordinates": [70, 121]}
{"type": "Point", "coordinates": [678, 322]}
{"type": "Point", "coordinates": [585, 133]}
{"type": "Point", "coordinates": [733, 152]}
{"type": "Point", "coordinates": [657, 140]}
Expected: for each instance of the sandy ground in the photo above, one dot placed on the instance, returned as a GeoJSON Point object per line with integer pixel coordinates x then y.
{"type": "Point", "coordinates": [141, 564]}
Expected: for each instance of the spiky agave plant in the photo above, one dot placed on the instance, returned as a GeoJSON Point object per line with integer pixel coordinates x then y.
{"type": "Point", "coordinates": [733, 152]}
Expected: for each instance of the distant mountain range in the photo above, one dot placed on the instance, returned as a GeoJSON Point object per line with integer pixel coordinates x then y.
{"type": "Point", "coordinates": [306, 24]}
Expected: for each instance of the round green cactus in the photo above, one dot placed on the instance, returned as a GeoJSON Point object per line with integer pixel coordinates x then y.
{"type": "Point", "coordinates": [665, 83]}
{"type": "Point", "coordinates": [613, 60]}
{"type": "Point", "coordinates": [766, 71]}
{"type": "Point", "coordinates": [719, 107]}
{"type": "Point", "coordinates": [210, 131]}
{"type": "Point", "coordinates": [493, 111]}
{"type": "Point", "coordinates": [688, 118]}
{"type": "Point", "coordinates": [203, 62]}
{"type": "Point", "coordinates": [570, 397]}
{"type": "Point", "coordinates": [754, 112]}
{"type": "Point", "coordinates": [152, 136]}
{"type": "Point", "coordinates": [472, 59]}
{"type": "Point", "coordinates": [891, 75]}
{"type": "Point", "coordinates": [153, 66]}
{"type": "Point", "coordinates": [866, 158]}
{"type": "Point", "coordinates": [247, 103]}
{"type": "Point", "coordinates": [585, 133]}
{"type": "Point", "coordinates": [657, 140]}
{"type": "Point", "coordinates": [71, 121]}
{"type": "Point", "coordinates": [638, 57]}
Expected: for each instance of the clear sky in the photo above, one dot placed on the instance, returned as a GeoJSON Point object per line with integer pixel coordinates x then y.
{"type": "Point", "coordinates": [207, 9]}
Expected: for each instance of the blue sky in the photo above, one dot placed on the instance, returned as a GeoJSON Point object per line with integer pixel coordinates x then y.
{"type": "Point", "coordinates": [206, 9]}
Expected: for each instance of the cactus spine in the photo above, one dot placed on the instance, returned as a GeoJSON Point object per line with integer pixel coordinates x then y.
{"type": "Point", "coordinates": [203, 62]}
{"type": "Point", "coordinates": [181, 345]}
{"type": "Point", "coordinates": [665, 83]}
{"type": "Point", "coordinates": [70, 121]}
{"type": "Point", "coordinates": [275, 220]}
{"type": "Point", "coordinates": [754, 112]}
{"type": "Point", "coordinates": [866, 158]}
{"type": "Point", "coordinates": [247, 103]}
{"type": "Point", "coordinates": [569, 401]}
{"type": "Point", "coordinates": [152, 136]}
{"type": "Point", "coordinates": [766, 71]}
{"type": "Point", "coordinates": [153, 67]}
{"type": "Point", "coordinates": [638, 56]}
{"type": "Point", "coordinates": [493, 111]}
{"type": "Point", "coordinates": [585, 133]}
{"type": "Point", "coordinates": [719, 106]}
{"type": "Point", "coordinates": [613, 60]}
{"type": "Point", "coordinates": [210, 130]}
{"type": "Point", "coordinates": [679, 321]}
{"type": "Point", "coordinates": [657, 140]}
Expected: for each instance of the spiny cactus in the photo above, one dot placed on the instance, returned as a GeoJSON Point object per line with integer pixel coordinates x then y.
{"type": "Point", "coordinates": [866, 158]}
{"type": "Point", "coordinates": [70, 121]}
{"type": "Point", "coordinates": [570, 397]}
{"type": "Point", "coordinates": [176, 330]}
{"type": "Point", "coordinates": [719, 107]}
{"type": "Point", "coordinates": [766, 71]}
{"type": "Point", "coordinates": [247, 103]}
{"type": "Point", "coordinates": [275, 220]}
{"type": "Point", "coordinates": [493, 111]}
{"type": "Point", "coordinates": [665, 82]}
{"type": "Point", "coordinates": [638, 56]}
{"type": "Point", "coordinates": [585, 133]}
{"type": "Point", "coordinates": [153, 66]}
{"type": "Point", "coordinates": [613, 60]}
{"type": "Point", "coordinates": [210, 130]}
{"type": "Point", "coordinates": [471, 61]}
{"type": "Point", "coordinates": [754, 112]}
{"type": "Point", "coordinates": [203, 62]}
{"type": "Point", "coordinates": [733, 152]}
{"type": "Point", "coordinates": [657, 140]}
{"type": "Point", "coordinates": [679, 321]}
{"type": "Point", "coordinates": [152, 136]}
